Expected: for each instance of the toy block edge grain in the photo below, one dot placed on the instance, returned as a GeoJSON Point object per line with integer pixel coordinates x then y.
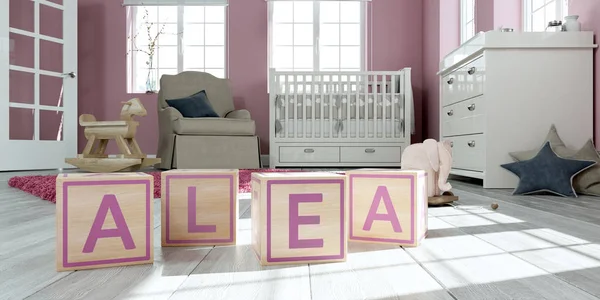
{"type": "Point", "coordinates": [265, 181]}
{"type": "Point", "coordinates": [231, 174]}
{"type": "Point", "coordinates": [63, 181]}
{"type": "Point", "coordinates": [415, 177]}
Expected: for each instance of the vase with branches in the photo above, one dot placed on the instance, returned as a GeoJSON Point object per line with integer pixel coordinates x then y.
{"type": "Point", "coordinates": [150, 48]}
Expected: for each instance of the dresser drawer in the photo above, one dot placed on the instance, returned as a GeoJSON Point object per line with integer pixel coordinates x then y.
{"type": "Point", "coordinates": [466, 117]}
{"type": "Point", "coordinates": [468, 152]}
{"type": "Point", "coordinates": [464, 83]}
{"type": "Point", "coordinates": [370, 154]}
{"type": "Point", "coordinates": [309, 154]}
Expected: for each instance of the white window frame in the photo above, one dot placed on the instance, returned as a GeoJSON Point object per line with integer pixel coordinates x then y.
{"type": "Point", "coordinates": [316, 38]}
{"type": "Point", "coordinates": [561, 7]}
{"type": "Point", "coordinates": [131, 57]}
{"type": "Point", "coordinates": [464, 35]}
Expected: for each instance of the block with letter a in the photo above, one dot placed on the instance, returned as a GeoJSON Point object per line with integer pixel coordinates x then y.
{"type": "Point", "coordinates": [299, 217]}
{"type": "Point", "coordinates": [387, 206]}
{"type": "Point", "coordinates": [104, 220]}
{"type": "Point", "coordinates": [199, 207]}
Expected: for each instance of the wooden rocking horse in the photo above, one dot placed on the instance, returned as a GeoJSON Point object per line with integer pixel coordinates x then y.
{"type": "Point", "coordinates": [98, 133]}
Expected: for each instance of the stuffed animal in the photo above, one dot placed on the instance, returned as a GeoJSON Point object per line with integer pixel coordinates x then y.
{"type": "Point", "coordinates": [433, 157]}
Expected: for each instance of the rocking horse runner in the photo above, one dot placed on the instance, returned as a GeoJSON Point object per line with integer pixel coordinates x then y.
{"type": "Point", "coordinates": [98, 133]}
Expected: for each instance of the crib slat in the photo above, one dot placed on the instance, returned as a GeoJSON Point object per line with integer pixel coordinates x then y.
{"type": "Point", "coordinates": [357, 104]}
{"type": "Point", "coordinates": [384, 118]}
{"type": "Point", "coordinates": [375, 99]}
{"type": "Point", "coordinates": [348, 105]}
{"type": "Point", "coordinates": [367, 96]}
{"type": "Point", "coordinates": [287, 107]}
{"type": "Point", "coordinates": [313, 101]}
{"type": "Point", "coordinates": [322, 97]}
{"type": "Point", "coordinates": [295, 83]}
{"type": "Point", "coordinates": [393, 99]}
{"type": "Point", "coordinates": [330, 103]}
{"type": "Point", "coordinates": [304, 100]}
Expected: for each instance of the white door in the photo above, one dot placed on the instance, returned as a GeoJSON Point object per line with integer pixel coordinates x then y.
{"type": "Point", "coordinates": [38, 84]}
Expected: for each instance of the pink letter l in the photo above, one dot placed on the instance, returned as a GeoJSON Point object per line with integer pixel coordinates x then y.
{"type": "Point", "coordinates": [192, 226]}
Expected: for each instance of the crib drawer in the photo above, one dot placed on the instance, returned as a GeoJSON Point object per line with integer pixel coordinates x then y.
{"type": "Point", "coordinates": [289, 154]}
{"type": "Point", "coordinates": [354, 154]}
{"type": "Point", "coordinates": [468, 152]}
{"type": "Point", "coordinates": [466, 117]}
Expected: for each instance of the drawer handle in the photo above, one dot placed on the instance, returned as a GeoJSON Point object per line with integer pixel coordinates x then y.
{"type": "Point", "coordinates": [451, 112]}
{"type": "Point", "coordinates": [471, 144]}
{"type": "Point", "coordinates": [370, 150]}
{"type": "Point", "coordinates": [451, 144]}
{"type": "Point", "coordinates": [309, 150]}
{"type": "Point", "coordinates": [472, 70]}
{"type": "Point", "coordinates": [471, 107]}
{"type": "Point", "coordinates": [451, 81]}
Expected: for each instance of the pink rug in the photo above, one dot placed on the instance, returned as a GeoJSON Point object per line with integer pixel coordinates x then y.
{"type": "Point", "coordinates": [45, 186]}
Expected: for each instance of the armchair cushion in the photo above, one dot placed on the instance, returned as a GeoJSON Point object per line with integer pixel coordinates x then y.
{"type": "Point", "coordinates": [214, 126]}
{"type": "Point", "coordinates": [238, 114]}
{"type": "Point", "coordinates": [194, 106]}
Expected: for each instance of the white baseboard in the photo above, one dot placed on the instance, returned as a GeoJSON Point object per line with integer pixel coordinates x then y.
{"type": "Point", "coordinates": [147, 155]}
{"type": "Point", "coordinates": [264, 160]}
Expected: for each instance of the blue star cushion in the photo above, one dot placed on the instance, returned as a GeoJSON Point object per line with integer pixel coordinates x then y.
{"type": "Point", "coordinates": [547, 172]}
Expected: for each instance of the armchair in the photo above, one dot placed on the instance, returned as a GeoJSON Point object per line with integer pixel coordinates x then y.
{"type": "Point", "coordinates": [229, 141]}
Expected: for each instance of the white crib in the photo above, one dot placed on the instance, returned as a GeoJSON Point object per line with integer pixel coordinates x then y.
{"type": "Point", "coordinates": [339, 119]}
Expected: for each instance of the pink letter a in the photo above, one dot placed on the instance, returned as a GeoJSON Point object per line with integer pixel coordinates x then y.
{"type": "Point", "coordinates": [382, 194]}
{"type": "Point", "coordinates": [109, 202]}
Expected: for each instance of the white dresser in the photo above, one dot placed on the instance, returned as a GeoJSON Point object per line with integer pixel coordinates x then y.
{"type": "Point", "coordinates": [501, 91]}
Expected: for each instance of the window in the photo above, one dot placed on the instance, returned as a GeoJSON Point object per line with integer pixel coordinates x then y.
{"type": "Point", "coordinates": [173, 39]}
{"type": "Point", "coordinates": [537, 13]}
{"type": "Point", "coordinates": [316, 35]}
{"type": "Point", "coordinates": [467, 20]}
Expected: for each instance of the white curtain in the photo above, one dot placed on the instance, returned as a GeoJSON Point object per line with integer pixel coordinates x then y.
{"type": "Point", "coordinates": [175, 2]}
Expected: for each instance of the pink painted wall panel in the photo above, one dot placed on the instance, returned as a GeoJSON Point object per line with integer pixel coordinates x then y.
{"type": "Point", "coordinates": [397, 35]}
{"type": "Point", "coordinates": [441, 21]}
{"type": "Point", "coordinates": [431, 55]}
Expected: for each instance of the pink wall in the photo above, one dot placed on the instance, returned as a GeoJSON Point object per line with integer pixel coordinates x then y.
{"type": "Point", "coordinates": [397, 35]}
{"type": "Point", "coordinates": [441, 34]}
{"type": "Point", "coordinates": [588, 11]}
{"type": "Point", "coordinates": [493, 14]}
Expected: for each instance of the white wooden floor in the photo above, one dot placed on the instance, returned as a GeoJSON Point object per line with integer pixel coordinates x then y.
{"type": "Point", "coordinates": [540, 247]}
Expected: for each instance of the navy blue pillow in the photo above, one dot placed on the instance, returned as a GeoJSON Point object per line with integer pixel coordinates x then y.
{"type": "Point", "coordinates": [194, 106]}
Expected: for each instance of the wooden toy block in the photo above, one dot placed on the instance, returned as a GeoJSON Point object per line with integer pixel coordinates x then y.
{"type": "Point", "coordinates": [199, 207]}
{"type": "Point", "coordinates": [104, 220]}
{"type": "Point", "coordinates": [387, 206]}
{"type": "Point", "coordinates": [299, 217]}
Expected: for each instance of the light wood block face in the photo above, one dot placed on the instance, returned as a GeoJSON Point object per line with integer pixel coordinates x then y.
{"type": "Point", "coordinates": [388, 206]}
{"type": "Point", "coordinates": [299, 217]}
{"type": "Point", "coordinates": [104, 220]}
{"type": "Point", "coordinates": [199, 207]}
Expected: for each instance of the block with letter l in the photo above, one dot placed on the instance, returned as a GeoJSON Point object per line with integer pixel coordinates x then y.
{"type": "Point", "coordinates": [104, 220]}
{"type": "Point", "coordinates": [387, 206]}
{"type": "Point", "coordinates": [199, 207]}
{"type": "Point", "coordinates": [299, 217]}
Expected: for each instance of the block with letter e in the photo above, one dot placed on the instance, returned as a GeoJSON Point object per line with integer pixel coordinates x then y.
{"type": "Point", "coordinates": [104, 220]}
{"type": "Point", "coordinates": [199, 207]}
{"type": "Point", "coordinates": [299, 217]}
{"type": "Point", "coordinates": [387, 206]}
